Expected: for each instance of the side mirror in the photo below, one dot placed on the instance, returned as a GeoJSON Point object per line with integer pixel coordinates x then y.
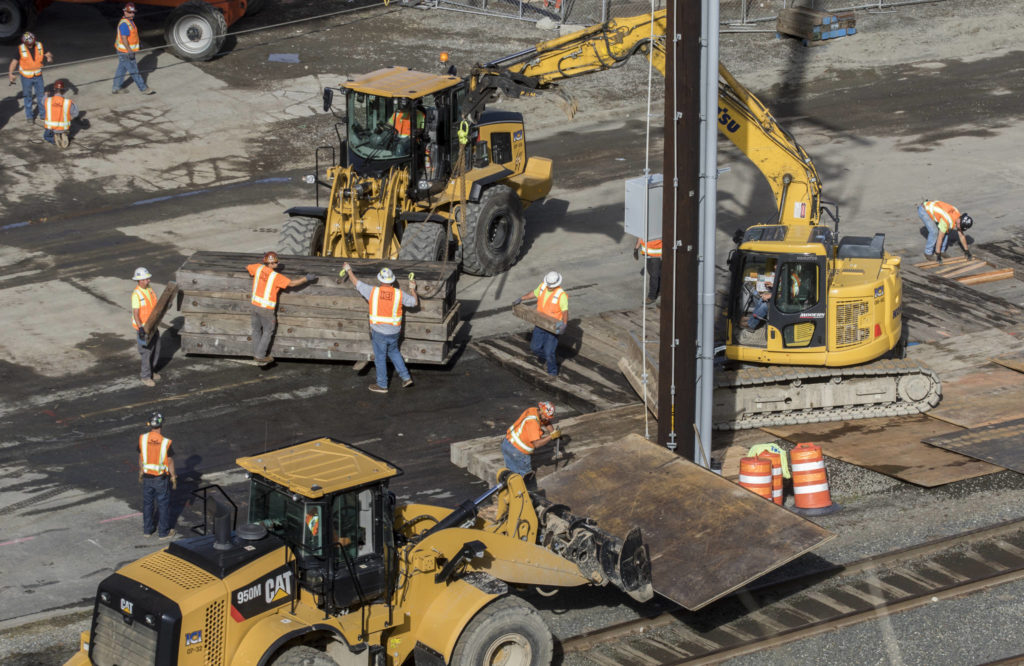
{"type": "Point", "coordinates": [328, 98]}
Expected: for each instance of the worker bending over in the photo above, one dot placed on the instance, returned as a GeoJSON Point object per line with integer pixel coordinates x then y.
{"type": "Point", "coordinates": [532, 430]}
{"type": "Point", "coordinates": [942, 219]}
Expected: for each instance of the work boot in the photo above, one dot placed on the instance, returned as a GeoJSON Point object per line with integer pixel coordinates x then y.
{"type": "Point", "coordinates": [407, 383]}
{"type": "Point", "coordinates": [148, 382]}
{"type": "Point", "coordinates": [156, 376]}
{"type": "Point", "coordinates": [169, 535]}
{"type": "Point", "coordinates": [148, 91]}
{"type": "Point", "coordinates": [929, 257]}
{"type": "Point", "coordinates": [266, 360]}
{"type": "Point", "coordinates": [377, 388]}
{"type": "Point", "coordinates": [117, 92]}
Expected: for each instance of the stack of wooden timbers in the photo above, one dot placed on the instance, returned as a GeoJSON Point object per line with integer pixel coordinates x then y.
{"type": "Point", "coordinates": [325, 320]}
{"type": "Point", "coordinates": [967, 271]}
{"type": "Point", "coordinates": [815, 26]}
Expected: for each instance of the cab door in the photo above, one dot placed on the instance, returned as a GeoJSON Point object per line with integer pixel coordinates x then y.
{"type": "Point", "coordinates": [798, 307]}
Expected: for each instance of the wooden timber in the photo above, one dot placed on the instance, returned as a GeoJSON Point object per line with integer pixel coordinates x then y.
{"type": "Point", "coordinates": [988, 276]}
{"type": "Point", "coordinates": [531, 315]}
{"type": "Point", "coordinates": [159, 310]}
{"type": "Point", "coordinates": [325, 320]}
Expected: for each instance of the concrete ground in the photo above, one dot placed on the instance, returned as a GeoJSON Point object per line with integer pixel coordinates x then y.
{"type": "Point", "coordinates": [923, 102]}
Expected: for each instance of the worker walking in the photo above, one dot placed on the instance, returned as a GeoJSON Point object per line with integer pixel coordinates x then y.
{"type": "Point", "coordinates": [266, 284]}
{"type": "Point", "coordinates": [156, 474]}
{"type": "Point", "coordinates": [942, 219]}
{"type": "Point", "coordinates": [126, 41]}
{"type": "Point", "coordinates": [532, 430]}
{"type": "Point", "coordinates": [651, 249]}
{"type": "Point", "coordinates": [143, 302]}
{"type": "Point", "coordinates": [60, 111]}
{"type": "Point", "coordinates": [29, 64]}
{"type": "Point", "coordinates": [386, 307]}
{"type": "Point", "coordinates": [553, 302]}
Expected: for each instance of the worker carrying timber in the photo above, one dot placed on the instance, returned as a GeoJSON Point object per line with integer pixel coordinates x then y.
{"type": "Point", "coordinates": [143, 302]}
{"type": "Point", "coordinates": [532, 430]}
{"type": "Point", "coordinates": [266, 284]}
{"type": "Point", "coordinates": [553, 302]}
{"type": "Point", "coordinates": [386, 311]}
{"type": "Point", "coordinates": [156, 472]}
{"type": "Point", "coordinates": [942, 220]}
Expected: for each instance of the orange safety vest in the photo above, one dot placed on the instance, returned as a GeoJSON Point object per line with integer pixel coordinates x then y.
{"type": "Point", "coordinates": [30, 66]}
{"type": "Point", "coordinates": [794, 285]}
{"type": "Point", "coordinates": [133, 37]}
{"type": "Point", "coordinates": [313, 523]}
{"type": "Point", "coordinates": [528, 419]}
{"type": "Point", "coordinates": [58, 114]}
{"type": "Point", "coordinates": [651, 248]}
{"type": "Point", "coordinates": [386, 305]}
{"type": "Point", "coordinates": [264, 292]}
{"type": "Point", "coordinates": [402, 122]}
{"type": "Point", "coordinates": [158, 468]}
{"type": "Point", "coordinates": [548, 301]}
{"type": "Point", "coordinates": [146, 299]}
{"type": "Point", "coordinates": [945, 215]}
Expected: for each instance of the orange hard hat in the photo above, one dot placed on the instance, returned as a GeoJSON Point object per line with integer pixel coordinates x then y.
{"type": "Point", "coordinates": [129, 8]}
{"type": "Point", "coordinates": [546, 409]}
{"type": "Point", "coordinates": [59, 85]}
{"type": "Point", "coordinates": [270, 257]}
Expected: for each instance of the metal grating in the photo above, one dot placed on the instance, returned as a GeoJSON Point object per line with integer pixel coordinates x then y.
{"type": "Point", "coordinates": [184, 575]}
{"type": "Point", "coordinates": [213, 634]}
{"type": "Point", "coordinates": [115, 642]}
{"type": "Point", "coordinates": [848, 314]}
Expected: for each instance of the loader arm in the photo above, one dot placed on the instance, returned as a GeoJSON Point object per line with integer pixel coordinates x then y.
{"type": "Point", "coordinates": [742, 118]}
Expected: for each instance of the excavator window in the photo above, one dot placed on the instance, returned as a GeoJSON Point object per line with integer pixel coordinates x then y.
{"type": "Point", "coordinates": [798, 290]}
{"type": "Point", "coordinates": [299, 523]}
{"type": "Point", "coordinates": [352, 521]}
{"type": "Point", "coordinates": [380, 128]}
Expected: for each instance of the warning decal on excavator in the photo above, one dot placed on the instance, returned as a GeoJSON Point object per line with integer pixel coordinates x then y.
{"type": "Point", "coordinates": [267, 592]}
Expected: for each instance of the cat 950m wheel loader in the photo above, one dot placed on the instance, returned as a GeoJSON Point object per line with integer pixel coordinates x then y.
{"type": "Point", "coordinates": [327, 570]}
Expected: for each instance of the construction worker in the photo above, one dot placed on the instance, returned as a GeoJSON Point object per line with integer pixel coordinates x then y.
{"type": "Point", "coordinates": [401, 120]}
{"type": "Point", "coordinates": [143, 302]}
{"type": "Point", "coordinates": [532, 430]}
{"type": "Point", "coordinates": [553, 302]}
{"type": "Point", "coordinates": [266, 283]}
{"type": "Point", "coordinates": [30, 67]}
{"type": "Point", "coordinates": [651, 250]}
{"type": "Point", "coordinates": [60, 110]}
{"type": "Point", "coordinates": [941, 219]}
{"type": "Point", "coordinates": [127, 44]}
{"type": "Point", "coordinates": [386, 303]}
{"type": "Point", "coordinates": [156, 472]}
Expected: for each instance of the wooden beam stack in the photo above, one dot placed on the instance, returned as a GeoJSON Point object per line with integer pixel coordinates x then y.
{"type": "Point", "coordinates": [814, 25]}
{"type": "Point", "coordinates": [326, 320]}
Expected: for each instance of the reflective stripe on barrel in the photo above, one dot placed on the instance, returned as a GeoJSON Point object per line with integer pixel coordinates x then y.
{"type": "Point", "coordinates": [776, 461]}
{"type": "Point", "coordinates": [756, 476]}
{"type": "Point", "coordinates": [810, 482]}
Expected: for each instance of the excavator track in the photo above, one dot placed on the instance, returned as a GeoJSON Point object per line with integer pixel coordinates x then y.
{"type": "Point", "coordinates": [759, 396]}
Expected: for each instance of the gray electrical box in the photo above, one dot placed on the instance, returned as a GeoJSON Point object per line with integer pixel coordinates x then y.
{"type": "Point", "coordinates": [637, 190]}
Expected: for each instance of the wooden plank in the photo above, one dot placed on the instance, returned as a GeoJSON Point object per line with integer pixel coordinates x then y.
{"type": "Point", "coordinates": [365, 269]}
{"type": "Point", "coordinates": [930, 265]}
{"type": "Point", "coordinates": [989, 276]}
{"type": "Point", "coordinates": [698, 526]}
{"type": "Point", "coordinates": [998, 443]}
{"type": "Point", "coordinates": [305, 306]}
{"type": "Point", "coordinates": [953, 271]}
{"type": "Point", "coordinates": [159, 310]}
{"type": "Point", "coordinates": [890, 446]}
{"type": "Point", "coordinates": [999, 390]}
{"type": "Point", "coordinates": [637, 361]}
{"type": "Point", "coordinates": [414, 351]}
{"type": "Point", "coordinates": [531, 315]}
{"type": "Point", "coordinates": [1011, 361]}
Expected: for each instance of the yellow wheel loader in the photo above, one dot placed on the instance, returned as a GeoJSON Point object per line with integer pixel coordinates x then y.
{"type": "Point", "coordinates": [327, 570]}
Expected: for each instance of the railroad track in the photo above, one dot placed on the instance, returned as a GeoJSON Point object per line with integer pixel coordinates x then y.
{"type": "Point", "coordinates": [774, 614]}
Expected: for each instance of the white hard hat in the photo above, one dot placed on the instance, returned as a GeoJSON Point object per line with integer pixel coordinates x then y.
{"type": "Point", "coordinates": [553, 279]}
{"type": "Point", "coordinates": [386, 276]}
{"type": "Point", "coordinates": [141, 274]}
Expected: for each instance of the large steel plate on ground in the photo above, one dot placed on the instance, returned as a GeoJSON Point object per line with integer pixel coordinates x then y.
{"type": "Point", "coordinates": [998, 443]}
{"type": "Point", "coordinates": [707, 535]}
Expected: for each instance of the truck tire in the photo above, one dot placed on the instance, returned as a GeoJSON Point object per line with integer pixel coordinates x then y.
{"type": "Point", "coordinates": [303, 236]}
{"type": "Point", "coordinates": [15, 18]}
{"type": "Point", "coordinates": [303, 655]}
{"type": "Point", "coordinates": [195, 31]}
{"type": "Point", "coordinates": [494, 232]}
{"type": "Point", "coordinates": [507, 631]}
{"type": "Point", "coordinates": [423, 241]}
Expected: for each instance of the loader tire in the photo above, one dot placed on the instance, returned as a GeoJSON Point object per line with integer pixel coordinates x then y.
{"type": "Point", "coordinates": [423, 241]}
{"type": "Point", "coordinates": [507, 631]}
{"type": "Point", "coordinates": [16, 16]}
{"type": "Point", "coordinates": [303, 655]}
{"type": "Point", "coordinates": [303, 236]}
{"type": "Point", "coordinates": [195, 31]}
{"type": "Point", "coordinates": [494, 232]}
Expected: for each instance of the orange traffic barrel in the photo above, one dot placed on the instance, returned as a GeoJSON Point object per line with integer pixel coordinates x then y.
{"type": "Point", "coordinates": [776, 461]}
{"type": "Point", "coordinates": [810, 482]}
{"type": "Point", "coordinates": [756, 476]}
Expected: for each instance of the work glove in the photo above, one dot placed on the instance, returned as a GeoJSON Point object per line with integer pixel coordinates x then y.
{"type": "Point", "coordinates": [559, 328]}
{"type": "Point", "coordinates": [555, 434]}
{"type": "Point", "coordinates": [310, 277]}
{"type": "Point", "coordinates": [142, 334]}
{"type": "Point", "coordinates": [636, 254]}
{"type": "Point", "coordinates": [938, 257]}
{"type": "Point", "coordinates": [967, 253]}
{"type": "Point", "coordinates": [518, 301]}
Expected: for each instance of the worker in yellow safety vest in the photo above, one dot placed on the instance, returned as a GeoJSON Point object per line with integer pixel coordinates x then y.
{"type": "Point", "coordinates": [386, 309]}
{"type": "Point", "coordinates": [532, 430]}
{"type": "Point", "coordinates": [126, 43]}
{"type": "Point", "coordinates": [651, 249]}
{"type": "Point", "coordinates": [29, 64]}
{"type": "Point", "coordinates": [266, 284]}
{"type": "Point", "coordinates": [156, 472]}
{"type": "Point", "coordinates": [942, 219]}
{"type": "Point", "coordinates": [60, 111]}
{"type": "Point", "coordinates": [553, 302]}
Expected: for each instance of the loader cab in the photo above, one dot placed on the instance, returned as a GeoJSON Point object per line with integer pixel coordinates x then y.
{"type": "Point", "coordinates": [338, 527]}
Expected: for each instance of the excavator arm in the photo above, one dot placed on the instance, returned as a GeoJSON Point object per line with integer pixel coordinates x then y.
{"type": "Point", "coordinates": [742, 118]}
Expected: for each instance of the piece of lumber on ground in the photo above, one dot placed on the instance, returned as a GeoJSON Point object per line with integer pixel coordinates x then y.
{"type": "Point", "coordinates": [226, 302]}
{"type": "Point", "coordinates": [988, 276]}
{"type": "Point", "coordinates": [159, 310]}
{"type": "Point", "coordinates": [531, 315]}
{"type": "Point", "coordinates": [929, 265]}
{"type": "Point", "coordinates": [953, 271]}
{"type": "Point", "coordinates": [414, 351]}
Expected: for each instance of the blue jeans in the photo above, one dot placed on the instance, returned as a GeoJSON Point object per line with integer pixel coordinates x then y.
{"type": "Point", "coordinates": [385, 346]}
{"type": "Point", "coordinates": [126, 65]}
{"type": "Point", "coordinates": [28, 86]}
{"type": "Point", "coordinates": [933, 232]}
{"type": "Point", "coordinates": [156, 488]}
{"type": "Point", "coordinates": [544, 345]}
{"type": "Point", "coordinates": [515, 460]}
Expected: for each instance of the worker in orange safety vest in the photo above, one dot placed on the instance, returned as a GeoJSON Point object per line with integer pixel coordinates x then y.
{"type": "Point", "coordinates": [553, 302]}
{"type": "Point", "coordinates": [386, 310]}
{"type": "Point", "coordinates": [156, 471]}
{"type": "Point", "coordinates": [651, 249]}
{"type": "Point", "coordinates": [29, 64]}
{"type": "Point", "coordinates": [126, 43]}
{"type": "Point", "coordinates": [148, 342]}
{"type": "Point", "coordinates": [532, 430]}
{"type": "Point", "coordinates": [60, 111]}
{"type": "Point", "coordinates": [942, 219]}
{"type": "Point", "coordinates": [266, 284]}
